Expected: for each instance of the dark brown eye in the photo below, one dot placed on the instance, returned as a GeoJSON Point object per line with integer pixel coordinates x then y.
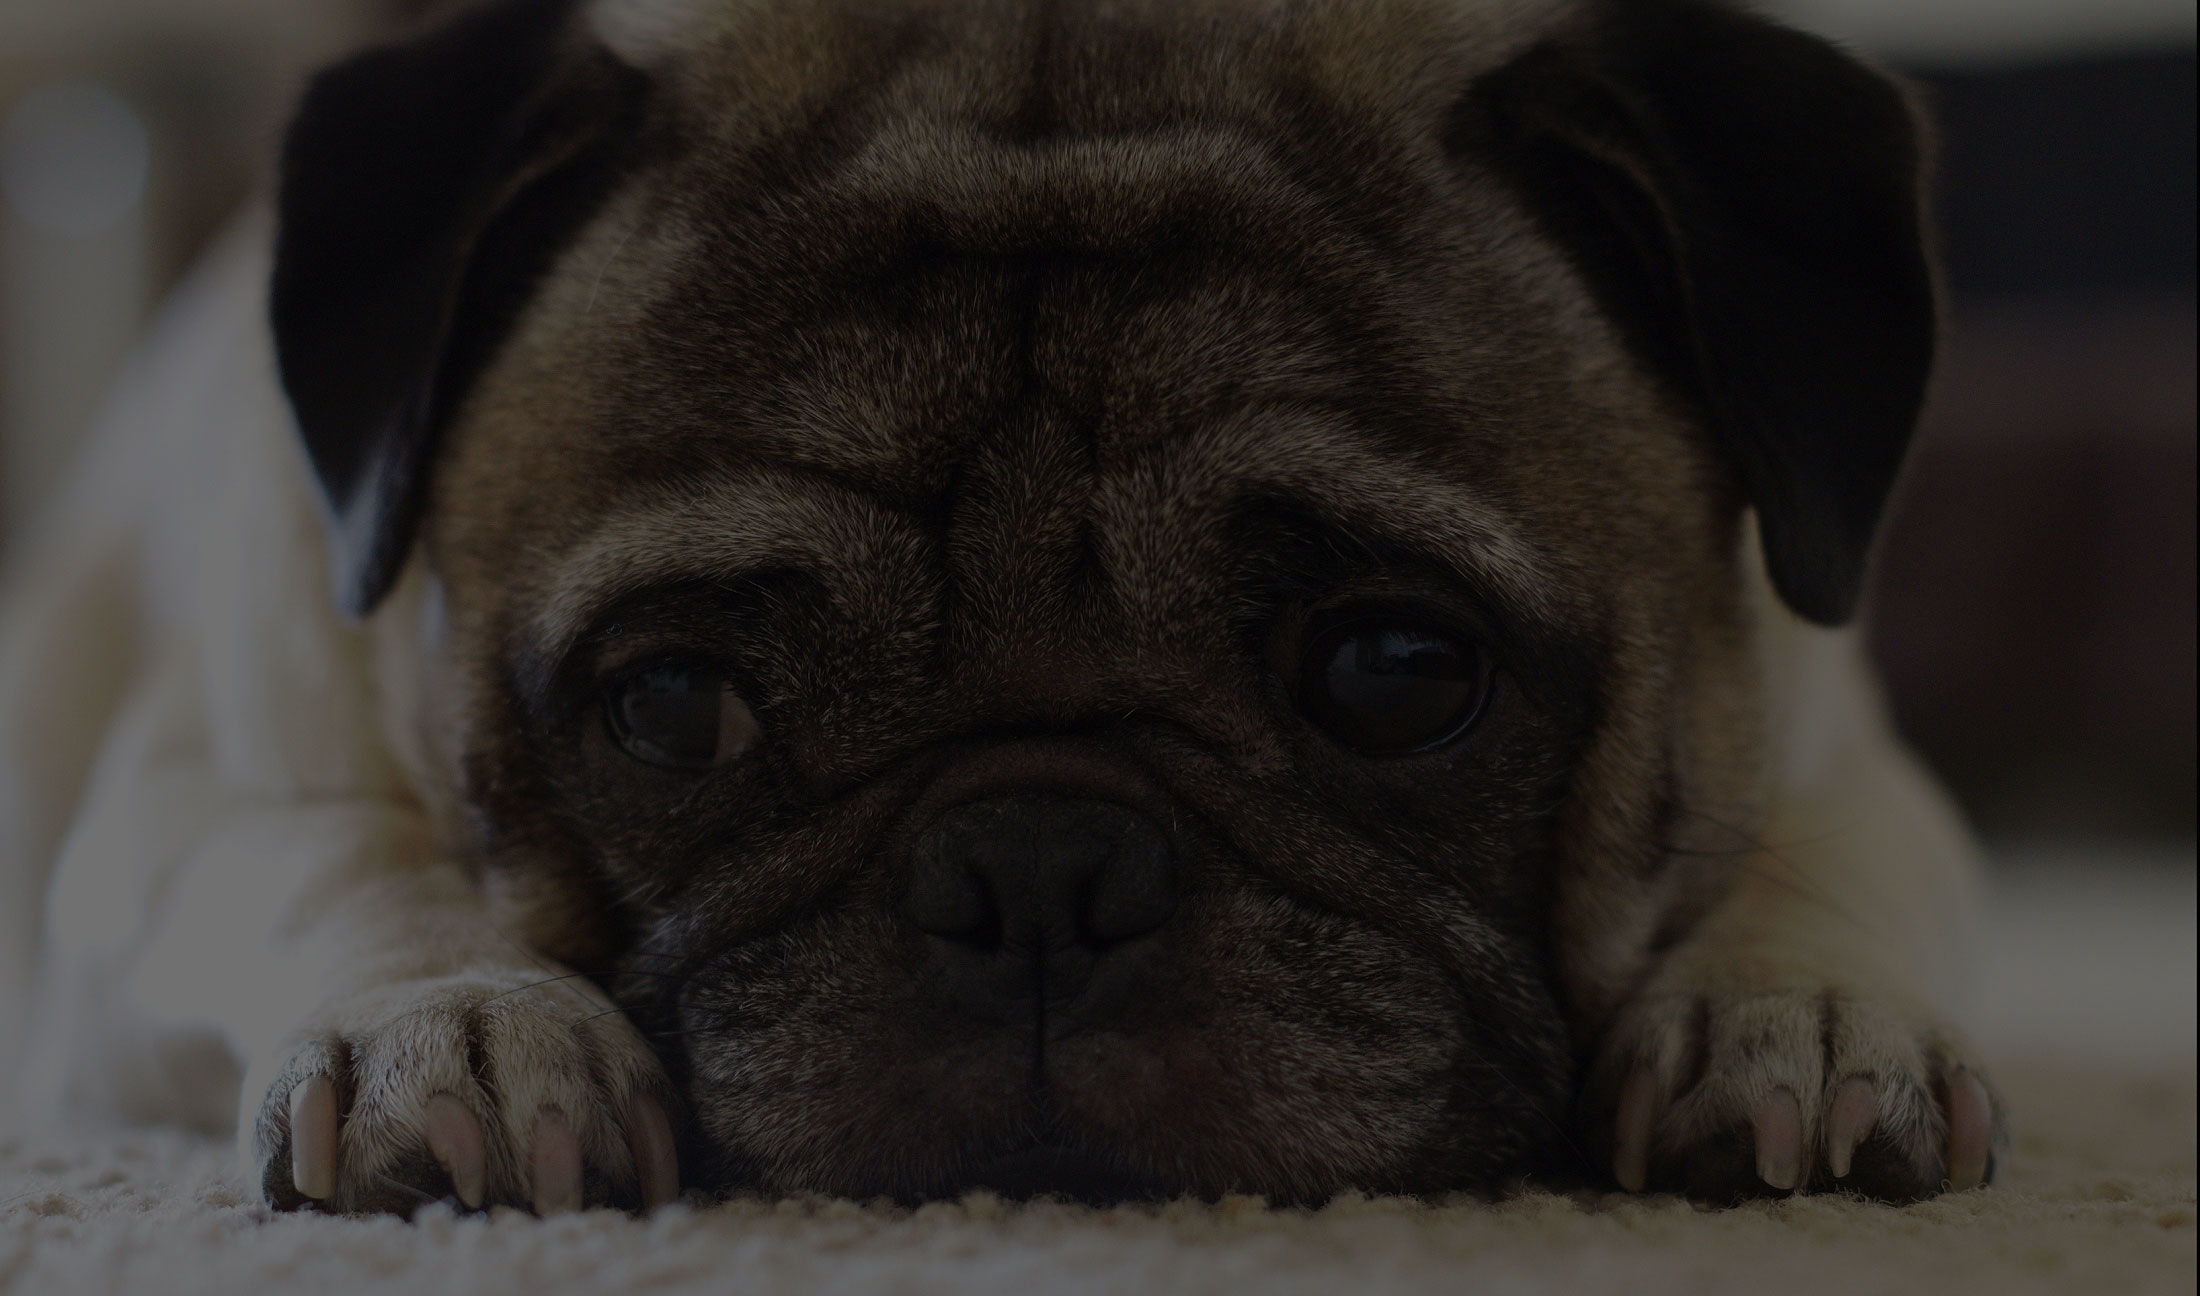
{"type": "Point", "coordinates": [1387, 687]}
{"type": "Point", "coordinates": [680, 718]}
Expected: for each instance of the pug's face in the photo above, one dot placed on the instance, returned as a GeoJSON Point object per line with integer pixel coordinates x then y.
{"type": "Point", "coordinates": [1063, 600]}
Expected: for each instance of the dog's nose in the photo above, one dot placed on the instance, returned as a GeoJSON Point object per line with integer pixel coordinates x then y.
{"type": "Point", "coordinates": [1029, 898]}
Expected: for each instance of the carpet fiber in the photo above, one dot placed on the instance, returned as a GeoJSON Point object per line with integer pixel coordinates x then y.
{"type": "Point", "coordinates": [2097, 1196]}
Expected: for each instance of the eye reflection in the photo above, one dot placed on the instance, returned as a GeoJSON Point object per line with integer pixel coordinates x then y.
{"type": "Point", "coordinates": [680, 717]}
{"type": "Point", "coordinates": [1384, 687]}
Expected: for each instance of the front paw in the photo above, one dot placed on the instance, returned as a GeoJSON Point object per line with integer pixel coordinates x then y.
{"type": "Point", "coordinates": [1725, 1097]}
{"type": "Point", "coordinates": [493, 1089]}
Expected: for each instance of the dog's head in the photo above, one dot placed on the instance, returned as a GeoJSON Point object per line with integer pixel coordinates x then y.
{"type": "Point", "coordinates": [1124, 596]}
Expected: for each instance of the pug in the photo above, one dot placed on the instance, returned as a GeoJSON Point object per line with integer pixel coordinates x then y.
{"type": "Point", "coordinates": [1110, 597]}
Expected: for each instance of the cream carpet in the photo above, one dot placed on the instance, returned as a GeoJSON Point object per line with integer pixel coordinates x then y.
{"type": "Point", "coordinates": [2098, 1196]}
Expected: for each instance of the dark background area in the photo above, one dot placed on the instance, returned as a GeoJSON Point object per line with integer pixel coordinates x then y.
{"type": "Point", "coordinates": [2035, 602]}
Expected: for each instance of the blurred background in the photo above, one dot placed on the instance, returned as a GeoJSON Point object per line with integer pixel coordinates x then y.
{"type": "Point", "coordinates": [2035, 608]}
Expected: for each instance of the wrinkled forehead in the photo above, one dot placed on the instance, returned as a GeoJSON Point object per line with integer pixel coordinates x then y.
{"type": "Point", "coordinates": [935, 287]}
{"type": "Point", "coordinates": [894, 341]}
{"type": "Point", "coordinates": [1155, 534]}
{"type": "Point", "coordinates": [904, 398]}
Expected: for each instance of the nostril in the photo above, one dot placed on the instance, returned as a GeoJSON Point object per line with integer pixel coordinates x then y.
{"type": "Point", "coordinates": [1041, 872]}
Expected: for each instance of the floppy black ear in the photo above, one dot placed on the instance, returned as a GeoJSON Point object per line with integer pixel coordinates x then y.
{"type": "Point", "coordinates": [425, 187]}
{"type": "Point", "coordinates": [1747, 201]}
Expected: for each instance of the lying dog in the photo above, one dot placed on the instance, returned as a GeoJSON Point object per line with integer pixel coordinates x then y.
{"type": "Point", "coordinates": [1126, 598]}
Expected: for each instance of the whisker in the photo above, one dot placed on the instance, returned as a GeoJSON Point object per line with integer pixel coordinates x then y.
{"type": "Point", "coordinates": [1756, 854]}
{"type": "Point", "coordinates": [570, 976]}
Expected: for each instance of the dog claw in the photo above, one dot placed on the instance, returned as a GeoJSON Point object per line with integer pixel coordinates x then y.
{"type": "Point", "coordinates": [656, 1162]}
{"type": "Point", "coordinates": [454, 1139]}
{"type": "Point", "coordinates": [1970, 1129]}
{"type": "Point", "coordinates": [556, 1165]}
{"type": "Point", "coordinates": [1638, 1108]}
{"type": "Point", "coordinates": [313, 1137]}
{"type": "Point", "coordinates": [1778, 1126]}
{"type": "Point", "coordinates": [1855, 1111]}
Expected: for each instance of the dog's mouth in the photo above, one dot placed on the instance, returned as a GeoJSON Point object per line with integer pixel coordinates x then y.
{"type": "Point", "coordinates": [1043, 1171]}
{"type": "Point", "coordinates": [1250, 1045]}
